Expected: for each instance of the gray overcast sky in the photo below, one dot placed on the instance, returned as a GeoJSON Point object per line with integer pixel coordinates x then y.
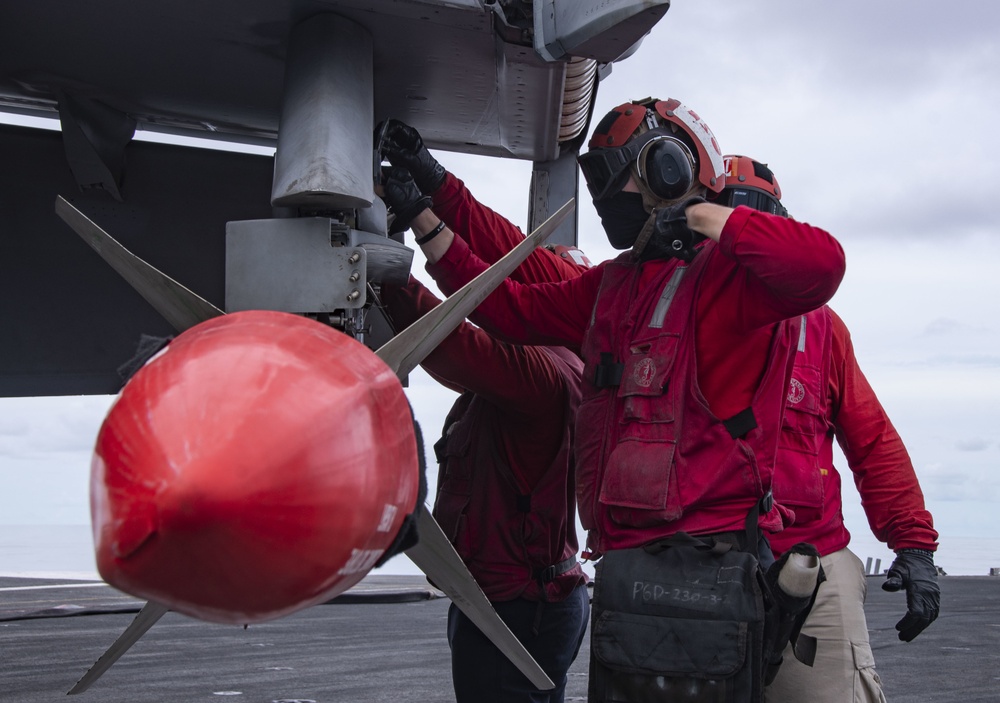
{"type": "Point", "coordinates": [878, 119]}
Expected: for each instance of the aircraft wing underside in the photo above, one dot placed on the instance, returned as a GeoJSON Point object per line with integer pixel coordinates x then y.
{"type": "Point", "coordinates": [510, 78]}
{"type": "Point", "coordinates": [464, 72]}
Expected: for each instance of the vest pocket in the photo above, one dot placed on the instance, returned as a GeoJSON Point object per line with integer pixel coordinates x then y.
{"type": "Point", "coordinates": [449, 511]}
{"type": "Point", "coordinates": [644, 382]}
{"type": "Point", "coordinates": [798, 481]}
{"type": "Point", "coordinates": [640, 483]}
{"type": "Point", "coordinates": [804, 425]}
{"type": "Point", "coordinates": [454, 487]}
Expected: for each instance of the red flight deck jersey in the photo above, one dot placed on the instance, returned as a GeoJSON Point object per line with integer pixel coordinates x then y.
{"type": "Point", "coordinates": [506, 491]}
{"type": "Point", "coordinates": [830, 397]}
{"type": "Point", "coordinates": [764, 270]}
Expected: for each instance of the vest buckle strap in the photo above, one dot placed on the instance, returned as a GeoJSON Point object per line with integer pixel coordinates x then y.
{"type": "Point", "coordinates": [740, 423]}
{"type": "Point", "coordinates": [549, 573]}
{"type": "Point", "coordinates": [766, 503]}
{"type": "Point", "coordinates": [608, 373]}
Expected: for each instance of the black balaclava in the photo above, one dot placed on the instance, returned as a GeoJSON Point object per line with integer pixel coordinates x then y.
{"type": "Point", "coordinates": [623, 217]}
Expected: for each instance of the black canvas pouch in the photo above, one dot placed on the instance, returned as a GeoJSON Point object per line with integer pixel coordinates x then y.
{"type": "Point", "coordinates": [677, 623]}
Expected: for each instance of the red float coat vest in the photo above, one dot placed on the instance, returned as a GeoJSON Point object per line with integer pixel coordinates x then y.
{"type": "Point", "coordinates": [805, 445]}
{"type": "Point", "coordinates": [828, 398]}
{"type": "Point", "coordinates": [652, 459]}
{"type": "Point", "coordinates": [508, 537]}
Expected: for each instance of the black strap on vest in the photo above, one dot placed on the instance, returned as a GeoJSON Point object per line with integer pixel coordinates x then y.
{"type": "Point", "coordinates": [544, 576]}
{"type": "Point", "coordinates": [721, 542]}
{"type": "Point", "coordinates": [549, 573]}
{"type": "Point", "coordinates": [740, 423]}
{"type": "Point", "coordinates": [608, 373]}
{"type": "Point", "coordinates": [761, 507]}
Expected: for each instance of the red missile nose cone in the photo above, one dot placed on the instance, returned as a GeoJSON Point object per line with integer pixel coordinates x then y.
{"type": "Point", "coordinates": [260, 464]}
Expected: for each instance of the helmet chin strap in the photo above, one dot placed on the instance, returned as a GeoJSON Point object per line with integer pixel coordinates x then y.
{"type": "Point", "coordinates": [644, 234]}
{"type": "Point", "coordinates": [650, 204]}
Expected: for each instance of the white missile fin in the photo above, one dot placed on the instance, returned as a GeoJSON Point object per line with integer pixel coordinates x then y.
{"type": "Point", "coordinates": [180, 307]}
{"type": "Point", "coordinates": [435, 556]}
{"type": "Point", "coordinates": [408, 348]}
{"type": "Point", "coordinates": [147, 617]}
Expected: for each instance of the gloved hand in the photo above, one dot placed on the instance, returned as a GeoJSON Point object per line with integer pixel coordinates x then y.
{"type": "Point", "coordinates": [403, 147]}
{"type": "Point", "coordinates": [403, 197]}
{"type": "Point", "coordinates": [671, 237]}
{"type": "Point", "coordinates": [914, 569]}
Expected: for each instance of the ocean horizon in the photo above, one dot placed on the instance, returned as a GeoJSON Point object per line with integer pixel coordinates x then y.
{"type": "Point", "coordinates": [66, 552]}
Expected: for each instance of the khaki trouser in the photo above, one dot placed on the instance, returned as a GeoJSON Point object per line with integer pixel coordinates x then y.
{"type": "Point", "coordinates": [844, 670]}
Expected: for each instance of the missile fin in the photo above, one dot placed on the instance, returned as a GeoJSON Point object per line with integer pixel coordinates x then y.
{"type": "Point", "coordinates": [407, 349]}
{"type": "Point", "coordinates": [181, 307]}
{"type": "Point", "coordinates": [435, 556]}
{"type": "Point", "coordinates": [147, 617]}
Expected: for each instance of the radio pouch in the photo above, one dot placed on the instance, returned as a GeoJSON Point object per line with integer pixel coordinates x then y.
{"type": "Point", "coordinates": [683, 622]}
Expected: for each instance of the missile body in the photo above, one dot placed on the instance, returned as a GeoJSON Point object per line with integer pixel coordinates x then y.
{"type": "Point", "coordinates": [259, 464]}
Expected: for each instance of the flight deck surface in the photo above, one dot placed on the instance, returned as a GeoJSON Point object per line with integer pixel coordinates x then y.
{"type": "Point", "coordinates": [385, 640]}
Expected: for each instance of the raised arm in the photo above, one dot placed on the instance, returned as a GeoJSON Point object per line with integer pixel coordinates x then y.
{"type": "Point", "coordinates": [491, 235]}
{"type": "Point", "coordinates": [784, 268]}
{"type": "Point", "coordinates": [488, 234]}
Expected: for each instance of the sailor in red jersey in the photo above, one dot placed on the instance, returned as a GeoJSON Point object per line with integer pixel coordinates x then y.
{"type": "Point", "coordinates": [506, 494]}
{"type": "Point", "coordinates": [830, 397]}
{"type": "Point", "coordinates": [688, 341]}
{"type": "Point", "coordinates": [505, 499]}
{"type": "Point", "coordinates": [759, 271]}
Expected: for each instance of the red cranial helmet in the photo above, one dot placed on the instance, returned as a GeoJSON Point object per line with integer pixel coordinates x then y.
{"type": "Point", "coordinates": [668, 145]}
{"type": "Point", "coordinates": [751, 183]}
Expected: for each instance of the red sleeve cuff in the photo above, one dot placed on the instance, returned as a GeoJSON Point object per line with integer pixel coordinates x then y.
{"type": "Point", "coordinates": [457, 252]}
{"type": "Point", "coordinates": [449, 188]}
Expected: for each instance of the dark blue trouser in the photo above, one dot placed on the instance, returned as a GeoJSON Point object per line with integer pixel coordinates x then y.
{"type": "Point", "coordinates": [482, 674]}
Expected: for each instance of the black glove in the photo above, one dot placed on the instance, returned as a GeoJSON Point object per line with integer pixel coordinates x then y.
{"type": "Point", "coordinates": [403, 197]}
{"type": "Point", "coordinates": [914, 569]}
{"type": "Point", "coordinates": [671, 237]}
{"type": "Point", "coordinates": [403, 147]}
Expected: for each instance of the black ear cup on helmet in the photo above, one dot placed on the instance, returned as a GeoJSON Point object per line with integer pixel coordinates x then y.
{"type": "Point", "coordinates": [665, 165]}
